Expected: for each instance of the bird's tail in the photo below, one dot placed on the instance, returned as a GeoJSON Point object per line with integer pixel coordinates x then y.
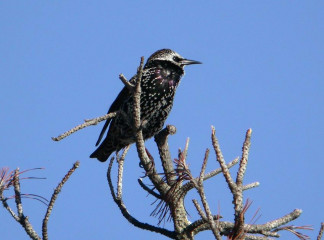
{"type": "Point", "coordinates": [103, 152]}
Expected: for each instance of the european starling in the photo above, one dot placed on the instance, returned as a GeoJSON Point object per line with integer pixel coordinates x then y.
{"type": "Point", "coordinates": [161, 76]}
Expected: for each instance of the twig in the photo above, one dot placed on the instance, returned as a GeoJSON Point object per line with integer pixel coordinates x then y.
{"type": "Point", "coordinates": [199, 210]}
{"type": "Point", "coordinates": [120, 172]}
{"type": "Point", "coordinates": [244, 159]}
{"type": "Point", "coordinates": [250, 185]}
{"type": "Point", "coordinates": [127, 84]}
{"type": "Point", "coordinates": [272, 225]}
{"type": "Point", "coordinates": [86, 123]}
{"type": "Point", "coordinates": [320, 234]}
{"type": "Point", "coordinates": [17, 193]}
{"type": "Point", "coordinates": [225, 227]}
{"type": "Point", "coordinates": [189, 185]}
{"type": "Point", "coordinates": [222, 163]}
{"type": "Point", "coordinates": [237, 186]}
{"type": "Point", "coordinates": [149, 190]}
{"type": "Point", "coordinates": [12, 178]}
{"type": "Point", "coordinates": [6, 206]}
{"type": "Point", "coordinates": [161, 140]}
{"type": "Point", "coordinates": [185, 150]}
{"type": "Point", "coordinates": [200, 188]}
{"type": "Point", "coordinates": [140, 146]}
{"type": "Point", "coordinates": [203, 168]}
{"type": "Point", "coordinates": [128, 216]}
{"type": "Point", "coordinates": [238, 230]}
{"type": "Point", "coordinates": [137, 117]}
{"type": "Point", "coordinates": [21, 218]}
{"type": "Point", "coordinates": [54, 197]}
{"type": "Point", "coordinates": [252, 237]}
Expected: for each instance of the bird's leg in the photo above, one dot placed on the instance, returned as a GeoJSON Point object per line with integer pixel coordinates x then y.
{"type": "Point", "coordinates": [152, 161]}
{"type": "Point", "coordinates": [151, 158]}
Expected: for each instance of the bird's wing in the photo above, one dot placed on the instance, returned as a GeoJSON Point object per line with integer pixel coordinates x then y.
{"type": "Point", "coordinates": [115, 106]}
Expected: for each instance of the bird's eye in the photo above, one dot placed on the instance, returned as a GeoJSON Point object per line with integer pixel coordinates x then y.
{"type": "Point", "coordinates": [176, 59]}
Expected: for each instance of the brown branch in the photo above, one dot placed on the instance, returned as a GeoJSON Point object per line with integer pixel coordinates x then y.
{"type": "Point", "coordinates": [161, 140]}
{"type": "Point", "coordinates": [54, 197]}
{"type": "Point", "coordinates": [199, 209]}
{"type": "Point", "coordinates": [203, 168]}
{"type": "Point", "coordinates": [272, 225]}
{"type": "Point", "coordinates": [225, 228]}
{"type": "Point", "coordinates": [220, 159]}
{"type": "Point", "coordinates": [252, 237]}
{"type": "Point", "coordinates": [6, 206]}
{"type": "Point", "coordinates": [200, 188]}
{"type": "Point", "coordinates": [189, 185]}
{"type": "Point", "coordinates": [140, 146]}
{"type": "Point", "coordinates": [185, 150]}
{"type": "Point", "coordinates": [120, 172]}
{"type": "Point", "coordinates": [86, 123]}
{"type": "Point", "coordinates": [127, 215]}
{"type": "Point", "coordinates": [244, 159]}
{"type": "Point", "coordinates": [149, 190]}
{"type": "Point", "coordinates": [209, 216]}
{"type": "Point", "coordinates": [16, 184]}
{"type": "Point", "coordinates": [21, 218]}
{"type": "Point", "coordinates": [127, 84]}
{"type": "Point", "coordinates": [320, 234]}
{"type": "Point", "coordinates": [250, 185]}
{"type": "Point", "coordinates": [238, 193]}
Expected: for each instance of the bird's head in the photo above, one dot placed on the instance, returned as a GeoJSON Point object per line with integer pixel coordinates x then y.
{"type": "Point", "coordinates": [171, 57]}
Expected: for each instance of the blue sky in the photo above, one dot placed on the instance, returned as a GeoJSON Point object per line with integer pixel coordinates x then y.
{"type": "Point", "coordinates": [262, 69]}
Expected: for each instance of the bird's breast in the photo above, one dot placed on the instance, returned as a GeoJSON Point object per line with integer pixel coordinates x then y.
{"type": "Point", "coordinates": [165, 79]}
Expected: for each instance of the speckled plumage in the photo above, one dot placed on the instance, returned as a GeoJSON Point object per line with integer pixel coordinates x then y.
{"type": "Point", "coordinates": [161, 76]}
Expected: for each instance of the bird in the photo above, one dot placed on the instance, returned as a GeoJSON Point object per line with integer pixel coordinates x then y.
{"type": "Point", "coordinates": [161, 76]}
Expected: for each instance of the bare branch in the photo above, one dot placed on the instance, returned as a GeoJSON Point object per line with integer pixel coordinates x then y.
{"type": "Point", "coordinates": [225, 228]}
{"type": "Point", "coordinates": [238, 230]}
{"type": "Point", "coordinates": [12, 178]}
{"type": "Point", "coordinates": [272, 225]}
{"type": "Point", "coordinates": [203, 168]}
{"type": "Point", "coordinates": [149, 190]}
{"type": "Point", "coordinates": [220, 159]}
{"type": "Point", "coordinates": [200, 188]}
{"type": "Point", "coordinates": [189, 185]}
{"type": "Point", "coordinates": [128, 216]}
{"type": "Point", "coordinates": [185, 150]}
{"type": "Point", "coordinates": [219, 170]}
{"type": "Point", "coordinates": [6, 206]}
{"type": "Point", "coordinates": [200, 211]}
{"type": "Point", "coordinates": [137, 118]}
{"type": "Point", "coordinates": [23, 220]}
{"type": "Point", "coordinates": [250, 185]}
{"type": "Point", "coordinates": [320, 234]}
{"type": "Point", "coordinates": [252, 237]}
{"type": "Point", "coordinates": [211, 222]}
{"type": "Point", "coordinates": [16, 184]}
{"type": "Point", "coordinates": [7, 179]}
{"type": "Point", "coordinates": [54, 197]}
{"type": "Point", "coordinates": [127, 84]}
{"type": "Point", "coordinates": [87, 123]}
{"type": "Point", "coordinates": [244, 159]}
{"type": "Point", "coordinates": [161, 140]}
{"type": "Point", "coordinates": [111, 186]}
{"type": "Point", "coordinates": [120, 172]}
{"type": "Point", "coordinates": [140, 146]}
